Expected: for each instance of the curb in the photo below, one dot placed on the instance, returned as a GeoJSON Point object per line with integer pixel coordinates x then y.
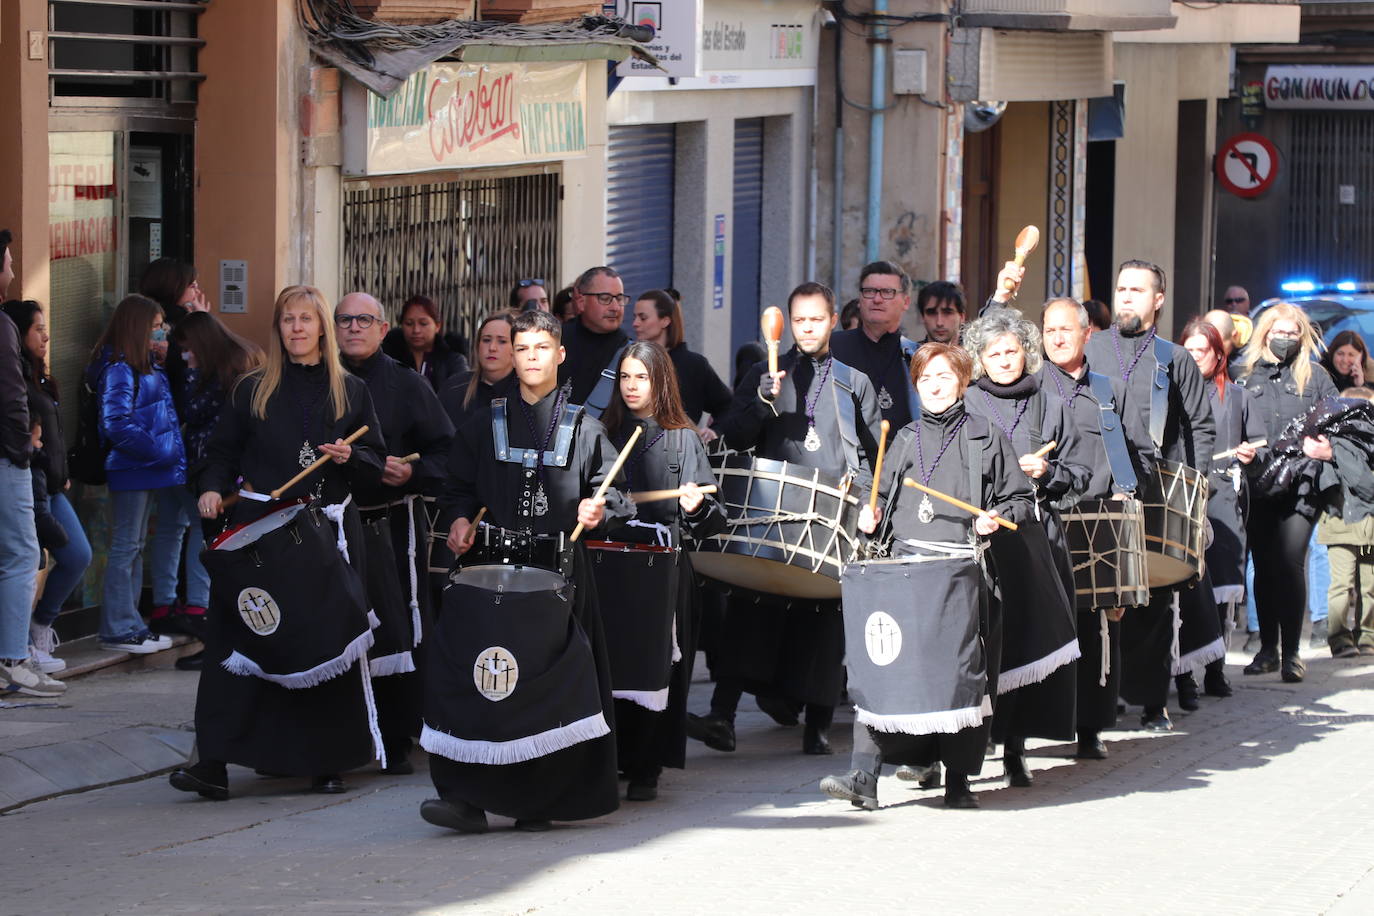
{"type": "Point", "coordinates": [35, 773]}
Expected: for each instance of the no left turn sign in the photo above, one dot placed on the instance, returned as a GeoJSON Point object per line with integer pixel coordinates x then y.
{"type": "Point", "coordinates": [1247, 165]}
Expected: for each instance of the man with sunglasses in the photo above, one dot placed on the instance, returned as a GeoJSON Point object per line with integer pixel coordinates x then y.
{"type": "Point", "coordinates": [876, 347]}
{"type": "Point", "coordinates": [1236, 301]}
{"type": "Point", "coordinates": [528, 295]}
{"type": "Point", "coordinates": [595, 336]}
{"type": "Point", "coordinates": [413, 423]}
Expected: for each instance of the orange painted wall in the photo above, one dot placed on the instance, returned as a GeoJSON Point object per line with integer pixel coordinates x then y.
{"type": "Point", "coordinates": [24, 146]}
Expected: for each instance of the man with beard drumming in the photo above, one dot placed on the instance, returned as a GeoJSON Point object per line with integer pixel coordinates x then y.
{"type": "Point", "coordinates": [534, 743]}
{"type": "Point", "coordinates": [1176, 425]}
{"type": "Point", "coordinates": [816, 412]}
{"type": "Point", "coordinates": [393, 515]}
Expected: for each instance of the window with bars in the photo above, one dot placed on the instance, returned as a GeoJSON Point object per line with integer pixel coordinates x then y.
{"type": "Point", "coordinates": [464, 243]}
{"type": "Point", "coordinates": [122, 53]}
{"type": "Point", "coordinates": [1330, 229]}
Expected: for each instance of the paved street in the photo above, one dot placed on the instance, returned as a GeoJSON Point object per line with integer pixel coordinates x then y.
{"type": "Point", "coordinates": [1260, 803]}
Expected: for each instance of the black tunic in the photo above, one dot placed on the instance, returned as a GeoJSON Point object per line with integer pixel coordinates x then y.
{"type": "Point", "coordinates": [577, 782]}
{"type": "Point", "coordinates": [248, 720]}
{"type": "Point", "coordinates": [454, 393]}
{"type": "Point", "coordinates": [768, 647]}
{"type": "Point", "coordinates": [1228, 500]}
{"type": "Point", "coordinates": [588, 352]}
{"type": "Point", "coordinates": [1084, 413]}
{"type": "Point", "coordinates": [884, 364]}
{"type": "Point", "coordinates": [647, 741]}
{"type": "Point", "coordinates": [701, 388]}
{"type": "Point", "coordinates": [443, 363]}
{"type": "Point", "coordinates": [1003, 487]}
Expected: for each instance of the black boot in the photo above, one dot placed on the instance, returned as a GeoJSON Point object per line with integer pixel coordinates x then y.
{"type": "Point", "coordinates": [1214, 682]}
{"type": "Point", "coordinates": [1266, 662]}
{"type": "Point", "coordinates": [1292, 669]}
{"type": "Point", "coordinates": [714, 731]}
{"type": "Point", "coordinates": [858, 787]}
{"type": "Point", "coordinates": [1014, 762]}
{"type": "Point", "coordinates": [1156, 719]}
{"type": "Point", "coordinates": [814, 741]}
{"type": "Point", "coordinates": [1091, 746]}
{"type": "Point", "coordinates": [1187, 691]}
{"type": "Point", "coordinates": [455, 815]}
{"type": "Point", "coordinates": [957, 792]}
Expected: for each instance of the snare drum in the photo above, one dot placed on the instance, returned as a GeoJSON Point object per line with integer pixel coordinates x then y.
{"type": "Point", "coordinates": [637, 587]}
{"type": "Point", "coordinates": [1175, 523]}
{"type": "Point", "coordinates": [789, 532]}
{"type": "Point", "coordinates": [1107, 547]}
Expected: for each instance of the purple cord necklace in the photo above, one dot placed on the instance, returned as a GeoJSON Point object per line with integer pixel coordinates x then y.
{"type": "Point", "coordinates": [997, 414]}
{"type": "Point", "coordinates": [925, 512]}
{"type": "Point", "coordinates": [812, 442]}
{"type": "Point", "coordinates": [1121, 362]}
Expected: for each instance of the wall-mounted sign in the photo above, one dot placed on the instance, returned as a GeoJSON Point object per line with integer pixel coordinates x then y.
{"type": "Point", "coordinates": [745, 44]}
{"type": "Point", "coordinates": [1247, 165]}
{"type": "Point", "coordinates": [677, 36]}
{"type": "Point", "coordinates": [456, 115]}
{"type": "Point", "coordinates": [1309, 86]}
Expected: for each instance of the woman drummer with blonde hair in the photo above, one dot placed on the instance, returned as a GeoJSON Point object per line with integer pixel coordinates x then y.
{"type": "Point", "coordinates": [1282, 381]}
{"type": "Point", "coordinates": [298, 407]}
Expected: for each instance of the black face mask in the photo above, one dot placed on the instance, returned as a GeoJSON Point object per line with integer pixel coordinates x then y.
{"type": "Point", "coordinates": [1283, 348]}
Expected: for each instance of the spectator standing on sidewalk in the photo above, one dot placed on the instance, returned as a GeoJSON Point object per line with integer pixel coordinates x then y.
{"type": "Point", "coordinates": [18, 539]}
{"type": "Point", "coordinates": [138, 424]}
{"type": "Point", "coordinates": [69, 561]}
{"type": "Point", "coordinates": [1347, 529]}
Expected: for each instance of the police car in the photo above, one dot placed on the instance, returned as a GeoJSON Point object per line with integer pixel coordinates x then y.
{"type": "Point", "coordinates": [1333, 307]}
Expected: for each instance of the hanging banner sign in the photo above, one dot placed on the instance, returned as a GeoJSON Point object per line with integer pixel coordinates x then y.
{"type": "Point", "coordinates": [456, 115]}
{"type": "Point", "coordinates": [1303, 86]}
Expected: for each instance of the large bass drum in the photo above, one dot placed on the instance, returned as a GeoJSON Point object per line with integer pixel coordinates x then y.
{"type": "Point", "coordinates": [1175, 523]}
{"type": "Point", "coordinates": [1107, 548]}
{"type": "Point", "coordinates": [790, 529]}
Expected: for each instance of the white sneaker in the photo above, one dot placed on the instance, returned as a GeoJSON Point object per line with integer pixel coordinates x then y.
{"type": "Point", "coordinates": [44, 642]}
{"type": "Point", "coordinates": [24, 678]}
{"type": "Point", "coordinates": [138, 645]}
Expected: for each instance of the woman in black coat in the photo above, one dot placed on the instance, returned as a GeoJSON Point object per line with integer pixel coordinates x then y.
{"type": "Point", "coordinates": [420, 343]}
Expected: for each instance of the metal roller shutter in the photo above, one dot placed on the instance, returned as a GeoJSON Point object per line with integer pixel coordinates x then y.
{"type": "Point", "coordinates": [639, 206]}
{"type": "Point", "coordinates": [748, 219]}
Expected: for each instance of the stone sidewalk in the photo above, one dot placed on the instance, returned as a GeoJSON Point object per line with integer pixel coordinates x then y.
{"type": "Point", "coordinates": [1256, 804]}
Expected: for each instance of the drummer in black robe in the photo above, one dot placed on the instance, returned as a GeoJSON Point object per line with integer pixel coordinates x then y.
{"type": "Point", "coordinates": [1178, 428]}
{"type": "Point", "coordinates": [943, 449]}
{"type": "Point", "coordinates": [594, 337]}
{"type": "Point", "coordinates": [530, 510]}
{"type": "Point", "coordinates": [1228, 497]}
{"type": "Point", "coordinates": [651, 725]}
{"type": "Point", "coordinates": [418, 434]}
{"type": "Point", "coordinates": [299, 406]}
{"type": "Point", "coordinates": [816, 412]}
{"type": "Point", "coordinates": [1039, 681]}
{"type": "Point", "coordinates": [1065, 327]}
{"type": "Point", "coordinates": [877, 347]}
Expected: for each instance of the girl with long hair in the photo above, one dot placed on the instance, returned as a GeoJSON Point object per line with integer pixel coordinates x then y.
{"type": "Point", "coordinates": [420, 343]}
{"type": "Point", "coordinates": [658, 319]}
{"type": "Point", "coordinates": [1282, 381]}
{"type": "Point", "coordinates": [70, 560]}
{"type": "Point", "coordinates": [298, 406]}
{"type": "Point", "coordinates": [146, 459]}
{"type": "Point", "coordinates": [651, 732]}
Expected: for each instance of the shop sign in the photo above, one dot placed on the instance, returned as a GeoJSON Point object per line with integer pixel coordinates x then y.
{"type": "Point", "coordinates": [1302, 86]}
{"type": "Point", "coordinates": [677, 37]}
{"type": "Point", "coordinates": [457, 115]}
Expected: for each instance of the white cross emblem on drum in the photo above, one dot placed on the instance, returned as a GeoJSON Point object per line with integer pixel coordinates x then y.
{"type": "Point", "coordinates": [495, 673]}
{"type": "Point", "coordinates": [259, 610]}
{"type": "Point", "coordinates": [882, 638]}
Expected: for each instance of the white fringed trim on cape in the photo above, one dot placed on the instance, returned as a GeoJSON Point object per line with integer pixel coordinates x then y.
{"type": "Point", "coordinates": [924, 723]}
{"type": "Point", "coordinates": [1228, 594]}
{"type": "Point", "coordinates": [1037, 671]}
{"type": "Point", "coordinates": [373, 726]}
{"type": "Point", "coordinates": [396, 663]}
{"type": "Point", "coordinates": [237, 663]}
{"type": "Point", "coordinates": [517, 750]}
{"type": "Point", "coordinates": [1209, 653]}
{"type": "Point", "coordinates": [652, 700]}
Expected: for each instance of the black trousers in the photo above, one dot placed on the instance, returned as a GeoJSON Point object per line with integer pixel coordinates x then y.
{"type": "Point", "coordinates": [1278, 540]}
{"type": "Point", "coordinates": [726, 696]}
{"type": "Point", "coordinates": [1147, 638]}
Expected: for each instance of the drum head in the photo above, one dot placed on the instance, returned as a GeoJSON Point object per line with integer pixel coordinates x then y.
{"type": "Point", "coordinates": [242, 535]}
{"type": "Point", "coordinates": [765, 576]}
{"type": "Point", "coordinates": [510, 578]}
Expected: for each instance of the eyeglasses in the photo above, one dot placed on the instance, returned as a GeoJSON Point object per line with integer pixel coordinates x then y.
{"type": "Point", "coordinates": [873, 292]}
{"type": "Point", "coordinates": [523, 284]}
{"type": "Point", "coordinates": [607, 298]}
{"type": "Point", "coordinates": [1236, 300]}
{"type": "Point", "coordinates": [1289, 335]}
{"type": "Point", "coordinates": [362, 321]}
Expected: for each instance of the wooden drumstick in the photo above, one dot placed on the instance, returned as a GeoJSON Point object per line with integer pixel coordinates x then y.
{"type": "Point", "coordinates": [1045, 449]}
{"type": "Point", "coordinates": [615, 469]}
{"type": "Point", "coordinates": [1026, 241]}
{"type": "Point", "coordinates": [967, 507]}
{"type": "Point", "coordinates": [410, 459]}
{"type": "Point", "coordinates": [771, 326]}
{"type": "Point", "coordinates": [1258, 443]}
{"type": "Point", "coordinates": [316, 465]}
{"type": "Point", "coordinates": [480, 512]}
{"type": "Point", "coordinates": [878, 465]}
{"type": "Point", "coordinates": [652, 496]}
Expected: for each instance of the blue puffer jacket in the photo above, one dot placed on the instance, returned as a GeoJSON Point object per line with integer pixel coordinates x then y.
{"type": "Point", "coordinates": [140, 426]}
